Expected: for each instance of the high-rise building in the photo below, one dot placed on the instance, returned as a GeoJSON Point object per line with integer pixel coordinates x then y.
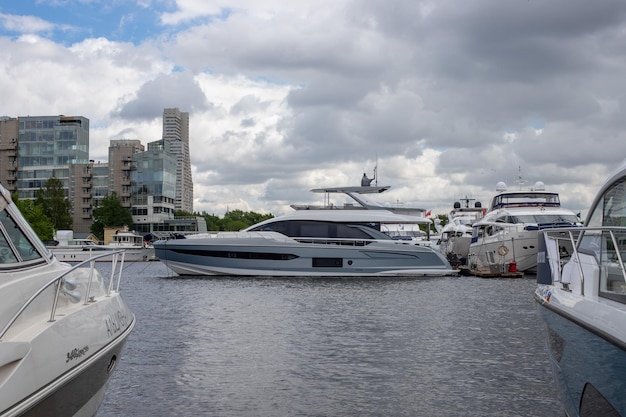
{"type": "Point", "coordinates": [80, 187]}
{"type": "Point", "coordinates": [8, 152]}
{"type": "Point", "coordinates": [121, 153]}
{"type": "Point", "coordinates": [176, 132]}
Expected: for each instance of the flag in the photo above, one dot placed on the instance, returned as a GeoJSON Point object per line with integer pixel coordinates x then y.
{"type": "Point", "coordinates": [428, 213]}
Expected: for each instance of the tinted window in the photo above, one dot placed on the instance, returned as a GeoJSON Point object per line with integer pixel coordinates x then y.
{"type": "Point", "coordinates": [306, 228]}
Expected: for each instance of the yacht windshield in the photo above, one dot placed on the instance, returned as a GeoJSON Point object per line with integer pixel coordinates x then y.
{"type": "Point", "coordinates": [14, 245]}
{"type": "Point", "coordinates": [526, 199]}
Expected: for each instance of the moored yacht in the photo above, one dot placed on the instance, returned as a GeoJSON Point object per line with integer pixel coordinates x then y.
{"type": "Point", "coordinates": [456, 235]}
{"type": "Point", "coordinates": [62, 327]}
{"type": "Point", "coordinates": [311, 241]}
{"type": "Point", "coordinates": [505, 238]}
{"type": "Point", "coordinates": [70, 249]}
{"type": "Point", "coordinates": [581, 296]}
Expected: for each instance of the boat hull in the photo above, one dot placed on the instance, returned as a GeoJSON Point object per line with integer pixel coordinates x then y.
{"type": "Point", "coordinates": [520, 248]}
{"type": "Point", "coordinates": [77, 395]}
{"type": "Point", "coordinates": [130, 255]}
{"type": "Point", "coordinates": [60, 366]}
{"type": "Point", "coordinates": [266, 257]}
{"type": "Point", "coordinates": [589, 365]}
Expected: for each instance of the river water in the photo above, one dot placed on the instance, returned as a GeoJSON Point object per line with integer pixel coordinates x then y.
{"type": "Point", "coordinates": [455, 346]}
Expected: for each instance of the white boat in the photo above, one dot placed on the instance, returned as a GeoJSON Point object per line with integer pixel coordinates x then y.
{"type": "Point", "coordinates": [70, 249]}
{"type": "Point", "coordinates": [456, 235]}
{"type": "Point", "coordinates": [62, 327]}
{"type": "Point", "coordinates": [505, 239]}
{"type": "Point", "coordinates": [135, 246]}
{"type": "Point", "coordinates": [581, 296]}
{"type": "Point", "coordinates": [311, 241]}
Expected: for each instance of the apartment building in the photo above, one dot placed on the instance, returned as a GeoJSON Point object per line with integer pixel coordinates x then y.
{"type": "Point", "coordinates": [8, 152]}
{"type": "Point", "coordinates": [121, 153]}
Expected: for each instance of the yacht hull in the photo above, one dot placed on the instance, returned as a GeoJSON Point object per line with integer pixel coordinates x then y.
{"type": "Point", "coordinates": [521, 248]}
{"type": "Point", "coordinates": [588, 364]}
{"type": "Point", "coordinates": [267, 257]}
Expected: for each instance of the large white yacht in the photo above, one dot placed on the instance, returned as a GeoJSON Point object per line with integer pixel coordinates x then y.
{"type": "Point", "coordinates": [311, 241]}
{"type": "Point", "coordinates": [506, 237]}
{"type": "Point", "coordinates": [581, 296]}
{"type": "Point", "coordinates": [456, 235]}
{"type": "Point", "coordinates": [62, 327]}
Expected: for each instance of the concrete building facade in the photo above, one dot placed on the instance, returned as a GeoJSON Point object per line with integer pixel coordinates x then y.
{"type": "Point", "coordinates": [9, 133]}
{"type": "Point", "coordinates": [121, 153]}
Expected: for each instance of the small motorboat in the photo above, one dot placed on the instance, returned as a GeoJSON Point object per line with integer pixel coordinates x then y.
{"type": "Point", "coordinates": [62, 327]}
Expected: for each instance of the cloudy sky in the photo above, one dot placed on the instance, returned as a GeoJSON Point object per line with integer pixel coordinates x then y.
{"type": "Point", "coordinates": [445, 97]}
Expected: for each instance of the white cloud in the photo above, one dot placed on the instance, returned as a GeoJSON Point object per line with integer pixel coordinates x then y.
{"type": "Point", "coordinates": [285, 97]}
{"type": "Point", "coordinates": [25, 24]}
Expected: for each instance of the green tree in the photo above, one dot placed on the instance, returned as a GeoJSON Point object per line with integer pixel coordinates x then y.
{"type": "Point", "coordinates": [34, 215]}
{"type": "Point", "coordinates": [213, 222]}
{"type": "Point", "coordinates": [110, 213]}
{"type": "Point", "coordinates": [52, 200]}
{"type": "Point", "coordinates": [238, 219]}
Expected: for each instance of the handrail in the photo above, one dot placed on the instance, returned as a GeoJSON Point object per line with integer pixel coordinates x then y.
{"type": "Point", "coordinates": [57, 279]}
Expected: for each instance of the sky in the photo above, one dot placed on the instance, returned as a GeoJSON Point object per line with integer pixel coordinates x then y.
{"type": "Point", "coordinates": [441, 98]}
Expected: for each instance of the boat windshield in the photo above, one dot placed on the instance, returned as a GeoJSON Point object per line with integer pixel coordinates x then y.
{"type": "Point", "coordinates": [14, 245]}
{"type": "Point", "coordinates": [526, 200]}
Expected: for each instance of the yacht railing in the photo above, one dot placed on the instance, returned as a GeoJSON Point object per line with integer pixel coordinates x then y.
{"type": "Point", "coordinates": [118, 259]}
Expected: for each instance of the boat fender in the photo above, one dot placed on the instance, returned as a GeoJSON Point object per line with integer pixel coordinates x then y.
{"type": "Point", "coordinates": [503, 250]}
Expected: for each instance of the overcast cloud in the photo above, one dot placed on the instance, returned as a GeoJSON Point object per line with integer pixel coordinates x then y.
{"type": "Point", "coordinates": [447, 97]}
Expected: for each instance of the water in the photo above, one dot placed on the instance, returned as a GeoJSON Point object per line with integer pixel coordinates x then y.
{"type": "Point", "coordinates": [346, 347]}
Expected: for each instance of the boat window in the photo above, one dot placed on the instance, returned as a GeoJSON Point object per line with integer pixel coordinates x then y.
{"type": "Point", "coordinates": [319, 229]}
{"type": "Point", "coordinates": [17, 241]}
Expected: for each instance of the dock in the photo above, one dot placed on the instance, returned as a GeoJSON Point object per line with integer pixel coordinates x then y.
{"type": "Point", "coordinates": [488, 272]}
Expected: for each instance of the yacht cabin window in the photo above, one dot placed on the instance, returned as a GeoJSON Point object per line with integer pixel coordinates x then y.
{"type": "Point", "coordinates": [320, 229]}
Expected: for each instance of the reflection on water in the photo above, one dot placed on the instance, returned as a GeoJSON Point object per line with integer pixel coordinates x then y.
{"type": "Point", "coordinates": [351, 347]}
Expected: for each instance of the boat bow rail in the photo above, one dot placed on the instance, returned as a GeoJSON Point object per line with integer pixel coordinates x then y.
{"type": "Point", "coordinates": [59, 281]}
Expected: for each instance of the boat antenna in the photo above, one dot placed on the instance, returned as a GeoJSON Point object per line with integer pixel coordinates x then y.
{"type": "Point", "coordinates": [520, 180]}
{"type": "Point", "coordinates": [376, 171]}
